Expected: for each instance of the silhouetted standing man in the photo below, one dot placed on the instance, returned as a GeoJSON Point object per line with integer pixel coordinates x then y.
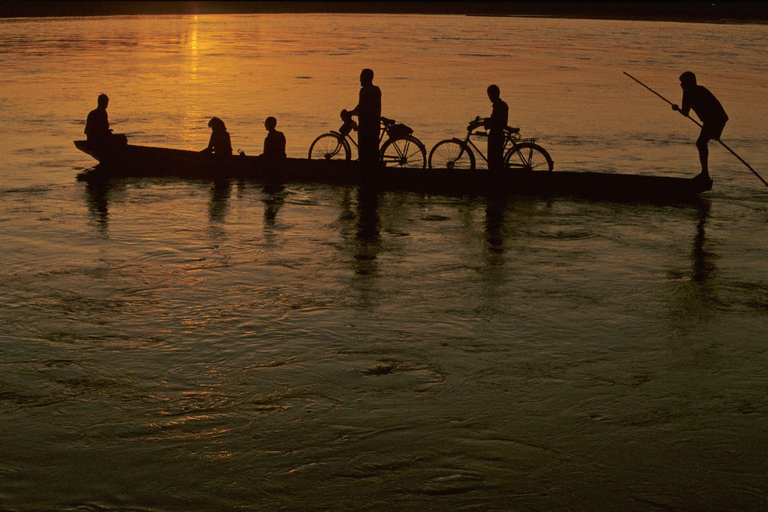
{"type": "Point", "coordinates": [709, 110]}
{"type": "Point", "coordinates": [495, 126]}
{"type": "Point", "coordinates": [368, 112]}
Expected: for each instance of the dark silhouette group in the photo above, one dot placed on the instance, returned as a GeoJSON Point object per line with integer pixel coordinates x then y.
{"type": "Point", "coordinates": [368, 112]}
{"type": "Point", "coordinates": [221, 144]}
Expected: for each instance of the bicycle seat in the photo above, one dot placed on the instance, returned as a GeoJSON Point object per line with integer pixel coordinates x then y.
{"type": "Point", "coordinates": [387, 121]}
{"type": "Point", "coordinates": [513, 130]}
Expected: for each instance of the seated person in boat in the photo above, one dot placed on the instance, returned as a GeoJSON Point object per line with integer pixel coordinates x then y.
{"type": "Point", "coordinates": [97, 129]}
{"type": "Point", "coordinates": [220, 143]}
{"type": "Point", "coordinates": [274, 143]}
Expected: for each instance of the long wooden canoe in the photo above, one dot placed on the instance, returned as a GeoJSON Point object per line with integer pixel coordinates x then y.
{"type": "Point", "coordinates": [145, 161]}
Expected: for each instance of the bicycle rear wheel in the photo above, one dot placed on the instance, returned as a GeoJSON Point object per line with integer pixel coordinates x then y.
{"type": "Point", "coordinates": [404, 152]}
{"type": "Point", "coordinates": [329, 146]}
{"type": "Point", "coordinates": [451, 154]}
{"type": "Point", "coordinates": [528, 156]}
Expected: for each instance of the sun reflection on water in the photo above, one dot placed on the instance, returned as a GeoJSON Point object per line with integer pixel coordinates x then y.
{"type": "Point", "coordinates": [192, 47]}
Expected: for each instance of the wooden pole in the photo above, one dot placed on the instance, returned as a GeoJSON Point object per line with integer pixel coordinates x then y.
{"type": "Point", "coordinates": [699, 125]}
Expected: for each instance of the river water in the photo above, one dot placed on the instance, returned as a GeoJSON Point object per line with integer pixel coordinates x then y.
{"type": "Point", "coordinates": [171, 345]}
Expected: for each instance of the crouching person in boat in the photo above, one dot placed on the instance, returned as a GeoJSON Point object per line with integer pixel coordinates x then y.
{"type": "Point", "coordinates": [97, 130]}
{"type": "Point", "coordinates": [220, 143]}
{"type": "Point", "coordinates": [711, 113]}
{"type": "Point", "coordinates": [274, 143]}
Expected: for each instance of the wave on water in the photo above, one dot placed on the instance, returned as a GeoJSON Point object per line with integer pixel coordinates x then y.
{"type": "Point", "coordinates": [36, 189]}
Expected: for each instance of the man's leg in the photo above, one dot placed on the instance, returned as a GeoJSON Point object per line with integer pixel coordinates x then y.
{"type": "Point", "coordinates": [702, 146]}
{"type": "Point", "coordinates": [495, 152]}
{"type": "Point", "coordinates": [368, 148]}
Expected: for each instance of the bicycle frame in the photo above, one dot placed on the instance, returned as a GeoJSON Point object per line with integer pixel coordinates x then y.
{"type": "Point", "coordinates": [384, 131]}
{"type": "Point", "coordinates": [354, 142]}
{"type": "Point", "coordinates": [518, 153]}
{"type": "Point", "coordinates": [468, 141]}
{"type": "Point", "coordinates": [509, 138]}
{"type": "Point", "coordinates": [397, 146]}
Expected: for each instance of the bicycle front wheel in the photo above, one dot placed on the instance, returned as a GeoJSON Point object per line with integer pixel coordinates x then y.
{"type": "Point", "coordinates": [451, 154]}
{"type": "Point", "coordinates": [406, 152]}
{"type": "Point", "coordinates": [527, 156]}
{"type": "Point", "coordinates": [329, 146]}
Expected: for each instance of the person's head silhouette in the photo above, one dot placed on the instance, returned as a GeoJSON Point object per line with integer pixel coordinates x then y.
{"type": "Point", "coordinates": [270, 123]}
{"type": "Point", "coordinates": [366, 77]}
{"type": "Point", "coordinates": [494, 93]}
{"type": "Point", "coordinates": [687, 80]}
{"type": "Point", "coordinates": [103, 101]}
{"type": "Point", "coordinates": [217, 125]}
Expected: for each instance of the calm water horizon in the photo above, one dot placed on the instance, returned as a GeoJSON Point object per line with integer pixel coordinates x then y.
{"type": "Point", "coordinates": [172, 345]}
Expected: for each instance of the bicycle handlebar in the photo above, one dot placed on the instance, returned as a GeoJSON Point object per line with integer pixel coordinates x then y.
{"type": "Point", "coordinates": [478, 121]}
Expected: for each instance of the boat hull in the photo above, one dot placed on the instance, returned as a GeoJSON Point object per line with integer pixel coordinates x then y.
{"type": "Point", "coordinates": [146, 161]}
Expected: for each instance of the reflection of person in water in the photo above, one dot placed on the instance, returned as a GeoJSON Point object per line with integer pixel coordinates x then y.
{"type": "Point", "coordinates": [709, 110]}
{"type": "Point", "coordinates": [703, 259]}
{"type": "Point", "coordinates": [274, 143]}
{"type": "Point", "coordinates": [97, 129]}
{"type": "Point", "coordinates": [368, 112]}
{"type": "Point", "coordinates": [221, 189]}
{"type": "Point", "coordinates": [368, 234]}
{"type": "Point", "coordinates": [97, 198]}
{"type": "Point", "coordinates": [220, 143]}
{"type": "Point", "coordinates": [273, 198]}
{"type": "Point", "coordinates": [495, 126]}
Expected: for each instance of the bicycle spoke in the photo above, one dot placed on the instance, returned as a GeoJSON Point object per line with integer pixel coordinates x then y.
{"type": "Point", "coordinates": [528, 157]}
{"type": "Point", "coordinates": [449, 154]}
{"type": "Point", "coordinates": [328, 147]}
{"type": "Point", "coordinates": [403, 153]}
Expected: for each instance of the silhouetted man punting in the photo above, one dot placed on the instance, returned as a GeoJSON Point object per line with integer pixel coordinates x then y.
{"type": "Point", "coordinates": [220, 142]}
{"type": "Point", "coordinates": [97, 129]}
{"type": "Point", "coordinates": [709, 110]}
{"type": "Point", "coordinates": [274, 142]}
{"type": "Point", "coordinates": [495, 126]}
{"type": "Point", "coordinates": [368, 112]}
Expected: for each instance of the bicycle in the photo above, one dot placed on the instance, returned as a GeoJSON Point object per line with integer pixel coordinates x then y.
{"type": "Point", "coordinates": [400, 149]}
{"type": "Point", "coordinates": [519, 154]}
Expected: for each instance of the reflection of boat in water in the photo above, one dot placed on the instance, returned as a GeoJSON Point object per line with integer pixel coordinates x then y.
{"type": "Point", "coordinates": [145, 161]}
